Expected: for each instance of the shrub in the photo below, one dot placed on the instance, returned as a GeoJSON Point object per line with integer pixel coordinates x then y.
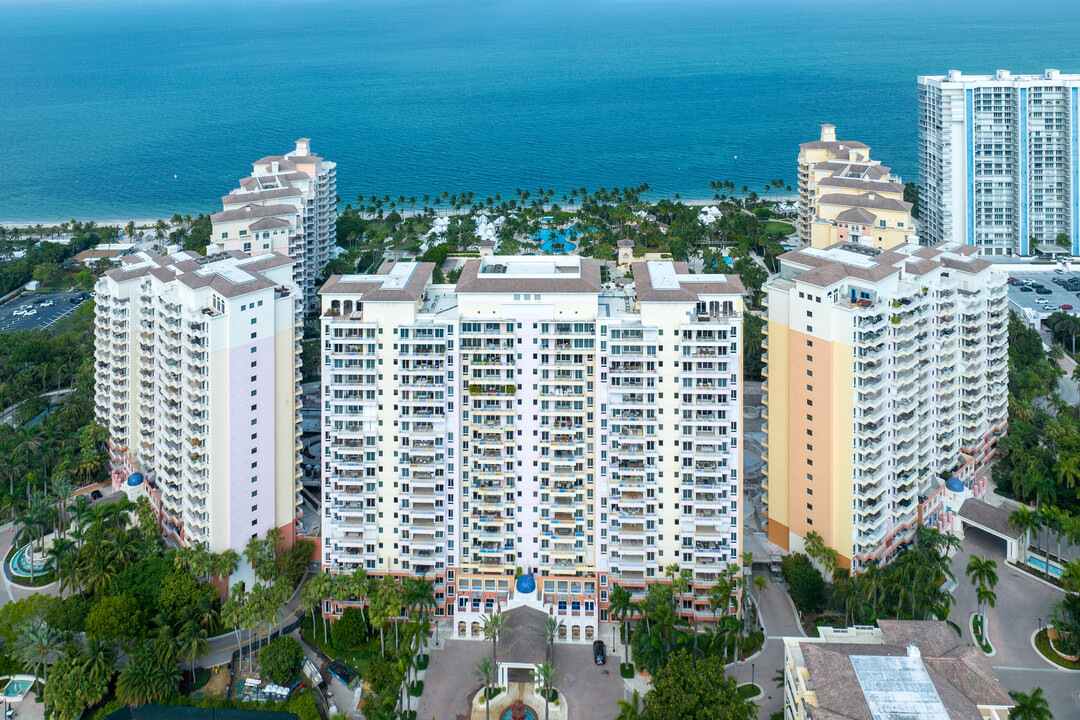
{"type": "Point", "coordinates": [807, 584]}
{"type": "Point", "coordinates": [281, 659]}
{"type": "Point", "coordinates": [349, 631]}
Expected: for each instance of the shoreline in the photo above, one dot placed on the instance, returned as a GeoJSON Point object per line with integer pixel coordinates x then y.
{"type": "Point", "coordinates": [439, 212]}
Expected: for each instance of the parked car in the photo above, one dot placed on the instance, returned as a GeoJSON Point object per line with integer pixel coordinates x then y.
{"type": "Point", "coordinates": [47, 303]}
{"type": "Point", "coordinates": [1065, 307]}
{"type": "Point", "coordinates": [1059, 271]}
{"type": "Point", "coordinates": [1024, 288]}
{"type": "Point", "coordinates": [599, 653]}
{"type": "Point", "coordinates": [1042, 291]}
{"type": "Point", "coordinates": [1041, 301]}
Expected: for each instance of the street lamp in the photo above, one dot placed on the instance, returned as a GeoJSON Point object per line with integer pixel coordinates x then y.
{"type": "Point", "coordinates": [751, 673]}
{"type": "Point", "coordinates": [612, 638]}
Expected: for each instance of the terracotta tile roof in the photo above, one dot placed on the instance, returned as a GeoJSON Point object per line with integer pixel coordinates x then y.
{"type": "Point", "coordinates": [859, 216]}
{"type": "Point", "coordinates": [372, 290]}
{"type": "Point", "coordinates": [866, 200]}
{"type": "Point", "coordinates": [688, 291]}
{"type": "Point", "coordinates": [858, 183]}
{"type": "Point", "coordinates": [252, 212]}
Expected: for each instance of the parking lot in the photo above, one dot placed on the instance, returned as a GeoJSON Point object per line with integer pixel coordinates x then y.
{"type": "Point", "coordinates": [1057, 297]}
{"type": "Point", "coordinates": [44, 315]}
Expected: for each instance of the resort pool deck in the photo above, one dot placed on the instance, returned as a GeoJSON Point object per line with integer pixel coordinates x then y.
{"type": "Point", "coordinates": [549, 237]}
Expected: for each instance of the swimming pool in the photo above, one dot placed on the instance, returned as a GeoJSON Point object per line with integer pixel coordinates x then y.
{"type": "Point", "coordinates": [16, 689]}
{"type": "Point", "coordinates": [1040, 565]}
{"type": "Point", "coordinates": [549, 237]}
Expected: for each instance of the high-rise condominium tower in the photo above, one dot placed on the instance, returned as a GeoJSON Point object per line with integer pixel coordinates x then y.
{"type": "Point", "coordinates": [289, 205]}
{"type": "Point", "coordinates": [197, 383]}
{"type": "Point", "coordinates": [531, 421]}
{"type": "Point", "coordinates": [885, 369]}
{"type": "Point", "coordinates": [845, 196]}
{"type": "Point", "coordinates": [998, 160]}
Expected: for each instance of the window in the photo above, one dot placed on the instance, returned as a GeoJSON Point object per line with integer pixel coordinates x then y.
{"type": "Point", "coordinates": [247, 248]}
{"type": "Point", "coordinates": [809, 358]}
{"type": "Point", "coordinates": [809, 506]}
{"type": "Point", "coordinates": [224, 235]}
{"type": "Point", "coordinates": [809, 521]}
{"type": "Point", "coordinates": [254, 493]}
{"type": "Point", "coordinates": [809, 447]}
{"type": "Point", "coordinates": [809, 388]}
{"type": "Point", "coordinates": [809, 343]}
{"type": "Point", "coordinates": [809, 417]}
{"type": "Point", "coordinates": [252, 351]}
{"type": "Point", "coordinates": [809, 491]}
{"type": "Point", "coordinates": [809, 373]}
{"type": "Point", "coordinates": [254, 522]}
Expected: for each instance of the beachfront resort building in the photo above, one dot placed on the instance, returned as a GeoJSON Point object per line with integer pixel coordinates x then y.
{"type": "Point", "coordinates": [884, 370]}
{"type": "Point", "coordinates": [527, 437]}
{"type": "Point", "coordinates": [900, 669]}
{"type": "Point", "coordinates": [196, 367]}
{"type": "Point", "coordinates": [288, 205]}
{"type": "Point", "coordinates": [844, 196]}
{"type": "Point", "coordinates": [998, 161]}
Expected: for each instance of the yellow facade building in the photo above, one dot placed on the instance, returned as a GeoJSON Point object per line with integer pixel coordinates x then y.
{"type": "Point", "coordinates": [844, 196]}
{"type": "Point", "coordinates": [883, 370]}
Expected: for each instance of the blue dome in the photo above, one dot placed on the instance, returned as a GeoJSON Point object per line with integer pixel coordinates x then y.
{"type": "Point", "coordinates": [954, 484]}
{"type": "Point", "coordinates": [135, 479]}
{"type": "Point", "coordinates": [526, 584]}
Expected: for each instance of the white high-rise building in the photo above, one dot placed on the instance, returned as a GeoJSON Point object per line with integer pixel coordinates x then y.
{"type": "Point", "coordinates": [999, 160]}
{"type": "Point", "coordinates": [289, 205]}
{"type": "Point", "coordinates": [531, 421]}
{"type": "Point", "coordinates": [884, 370]}
{"type": "Point", "coordinates": [197, 367]}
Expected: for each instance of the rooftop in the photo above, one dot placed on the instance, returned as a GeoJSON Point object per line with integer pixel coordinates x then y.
{"type": "Point", "coordinates": [530, 273]}
{"type": "Point", "coordinates": [823, 267]}
{"type": "Point", "coordinates": [672, 282]}
{"type": "Point", "coordinates": [395, 282]}
{"type": "Point", "coordinates": [908, 671]}
{"type": "Point", "coordinates": [230, 274]}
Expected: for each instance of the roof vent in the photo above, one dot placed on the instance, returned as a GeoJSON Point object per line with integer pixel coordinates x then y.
{"type": "Point", "coordinates": [913, 651]}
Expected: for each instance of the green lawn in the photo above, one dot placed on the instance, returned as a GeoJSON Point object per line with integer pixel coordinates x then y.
{"type": "Point", "coordinates": [1043, 643]}
{"type": "Point", "coordinates": [774, 226]}
{"type": "Point", "coordinates": [748, 691]}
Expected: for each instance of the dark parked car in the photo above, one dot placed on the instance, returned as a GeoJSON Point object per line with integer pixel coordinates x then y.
{"type": "Point", "coordinates": [599, 653]}
{"type": "Point", "coordinates": [1025, 288]}
{"type": "Point", "coordinates": [1042, 291]}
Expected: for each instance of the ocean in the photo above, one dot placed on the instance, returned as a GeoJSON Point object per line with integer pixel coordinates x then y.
{"type": "Point", "coordinates": [117, 109]}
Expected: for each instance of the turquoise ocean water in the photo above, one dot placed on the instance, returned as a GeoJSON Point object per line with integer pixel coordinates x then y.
{"type": "Point", "coordinates": [103, 102]}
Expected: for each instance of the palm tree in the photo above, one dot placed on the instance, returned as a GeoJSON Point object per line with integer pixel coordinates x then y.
{"type": "Point", "coordinates": [486, 670]}
{"type": "Point", "coordinates": [62, 555]}
{"type": "Point", "coordinates": [193, 644]}
{"type": "Point", "coordinates": [1029, 706]}
{"type": "Point", "coordinates": [33, 646]}
{"type": "Point", "coordinates": [984, 596]}
{"type": "Point", "coordinates": [493, 624]}
{"type": "Point", "coordinates": [1026, 521]}
{"type": "Point", "coordinates": [97, 660]}
{"type": "Point", "coordinates": [629, 709]}
{"type": "Point", "coordinates": [547, 675]}
{"type": "Point", "coordinates": [620, 605]}
{"type": "Point", "coordinates": [552, 625]}
{"type": "Point", "coordinates": [981, 571]}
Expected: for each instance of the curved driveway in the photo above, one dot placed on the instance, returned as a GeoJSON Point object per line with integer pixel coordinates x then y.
{"type": "Point", "coordinates": [1022, 600]}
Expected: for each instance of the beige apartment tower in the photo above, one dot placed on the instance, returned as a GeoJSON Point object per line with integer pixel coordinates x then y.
{"type": "Point", "coordinates": [844, 196]}
{"type": "Point", "coordinates": [885, 369]}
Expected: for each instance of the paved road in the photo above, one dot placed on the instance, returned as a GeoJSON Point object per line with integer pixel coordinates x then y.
{"type": "Point", "coordinates": [223, 646]}
{"type": "Point", "coordinates": [7, 416]}
{"type": "Point", "coordinates": [780, 621]}
{"type": "Point", "coordinates": [44, 317]}
{"type": "Point", "coordinates": [1022, 601]}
